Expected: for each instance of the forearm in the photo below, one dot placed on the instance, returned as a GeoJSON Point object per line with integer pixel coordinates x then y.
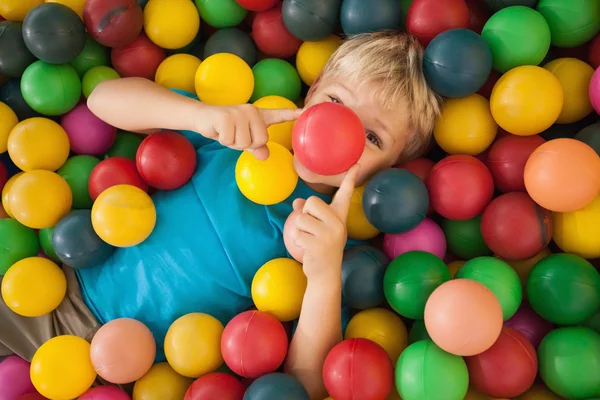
{"type": "Point", "coordinates": [318, 330]}
{"type": "Point", "coordinates": [136, 104]}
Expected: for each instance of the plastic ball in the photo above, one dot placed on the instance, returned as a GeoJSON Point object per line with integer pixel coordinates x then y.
{"type": "Point", "coordinates": [271, 35]}
{"type": "Point", "coordinates": [577, 231]}
{"type": "Point", "coordinates": [224, 79]}
{"type": "Point", "coordinates": [171, 24]}
{"type": "Point", "coordinates": [125, 145]}
{"type": "Point", "coordinates": [8, 120]}
{"type": "Point", "coordinates": [75, 5]}
{"type": "Point", "coordinates": [39, 199]}
{"type": "Point", "coordinates": [418, 332]}
{"type": "Point", "coordinates": [87, 133]}
{"type": "Point", "coordinates": [358, 369]}
{"type": "Point", "coordinates": [497, 5]}
{"type": "Point", "coordinates": [76, 244]}
{"type": "Point", "coordinates": [466, 126]}
{"type": "Point", "coordinates": [530, 324]}
{"type": "Point", "coordinates": [571, 26]}
{"type": "Point", "coordinates": [93, 55]}
{"type": "Point", "coordinates": [312, 57]}
{"type": "Point", "coordinates": [524, 267]}
{"type": "Point", "coordinates": [161, 383]}
{"type": "Point", "coordinates": [595, 91]}
{"type": "Point", "coordinates": [221, 13]}
{"type": "Point", "coordinates": [427, 236]}
{"type": "Point", "coordinates": [310, 20]}
{"type": "Point", "coordinates": [464, 238]}
{"type": "Point", "coordinates": [123, 216]}
{"type": "Point", "coordinates": [357, 224]}
{"type": "Point", "coordinates": [6, 191]}
{"type": "Point", "coordinates": [166, 160]}
{"type": "Point", "coordinates": [51, 89]}
{"type": "Point", "coordinates": [76, 171]}
{"type": "Point", "coordinates": [594, 52]}
{"type": "Point", "coordinates": [420, 167]}
{"type": "Point", "coordinates": [16, 243]}
{"type": "Point", "coordinates": [234, 41]}
{"type": "Point", "coordinates": [454, 266]}
{"type": "Point", "coordinates": [113, 23]}
{"type": "Point", "coordinates": [590, 135]}
{"type": "Point", "coordinates": [276, 386]}
{"type": "Point", "coordinates": [568, 360]}
{"type": "Point", "coordinates": [257, 5]}
{"type": "Point", "coordinates": [105, 393]}
{"type": "Point", "coordinates": [140, 58]}
{"type": "Point", "coordinates": [564, 289]}
{"type": "Point", "coordinates": [122, 350]}
{"type": "Point", "coordinates": [14, 378]}
{"type": "Point", "coordinates": [424, 370]}
{"type": "Point", "coordinates": [460, 187]}
{"type": "Point", "coordinates": [463, 317]}
{"type": "Point", "coordinates": [517, 36]}
{"type": "Point", "coordinates": [382, 327]}
{"type": "Point", "coordinates": [270, 181]}
{"type": "Point", "coordinates": [278, 133]}
{"type": "Point", "coordinates": [278, 288]}
{"type": "Point", "coordinates": [363, 268]}
{"type": "Point", "coordinates": [15, 57]}
{"type": "Point", "coordinates": [428, 18]}
{"type": "Point", "coordinates": [11, 95]}
{"type": "Point", "coordinates": [216, 385]}
{"type": "Point", "coordinates": [275, 77]}
{"type": "Point", "coordinates": [94, 76]}
{"type": "Point", "coordinates": [114, 171]}
{"type": "Point", "coordinates": [16, 10]}
{"type": "Point", "coordinates": [178, 71]}
{"type": "Point", "coordinates": [506, 161]}
{"type": "Point", "coordinates": [563, 175]}
{"type": "Point", "coordinates": [410, 279]}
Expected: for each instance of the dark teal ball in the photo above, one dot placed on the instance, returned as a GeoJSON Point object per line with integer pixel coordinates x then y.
{"type": "Point", "coordinates": [361, 16]}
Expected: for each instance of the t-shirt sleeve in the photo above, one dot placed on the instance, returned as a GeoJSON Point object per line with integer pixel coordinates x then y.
{"type": "Point", "coordinates": [195, 138]}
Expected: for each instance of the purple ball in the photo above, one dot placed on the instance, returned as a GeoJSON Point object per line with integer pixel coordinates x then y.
{"type": "Point", "coordinates": [530, 324]}
{"type": "Point", "coordinates": [105, 393]}
{"type": "Point", "coordinates": [427, 236]}
{"type": "Point", "coordinates": [88, 134]}
{"type": "Point", "coordinates": [14, 378]}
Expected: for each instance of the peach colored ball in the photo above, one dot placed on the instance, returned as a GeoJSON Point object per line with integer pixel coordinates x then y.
{"type": "Point", "coordinates": [463, 317]}
{"type": "Point", "coordinates": [288, 237]}
{"type": "Point", "coordinates": [123, 350]}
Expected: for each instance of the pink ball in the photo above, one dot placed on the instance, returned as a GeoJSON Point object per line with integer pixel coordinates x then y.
{"type": "Point", "coordinates": [427, 236]}
{"type": "Point", "coordinates": [595, 90]}
{"type": "Point", "coordinates": [87, 133]}
{"type": "Point", "coordinates": [14, 378]}
{"type": "Point", "coordinates": [105, 393]}
{"type": "Point", "coordinates": [530, 324]}
{"type": "Point", "coordinates": [288, 240]}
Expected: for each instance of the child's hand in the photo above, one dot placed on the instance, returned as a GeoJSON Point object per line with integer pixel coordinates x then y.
{"type": "Point", "coordinates": [321, 230]}
{"type": "Point", "coordinates": [242, 127]}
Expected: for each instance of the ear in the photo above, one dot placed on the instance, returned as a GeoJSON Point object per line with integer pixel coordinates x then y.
{"type": "Point", "coordinates": [312, 89]}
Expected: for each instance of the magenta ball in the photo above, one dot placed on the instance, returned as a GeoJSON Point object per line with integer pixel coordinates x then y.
{"type": "Point", "coordinates": [595, 90]}
{"type": "Point", "coordinates": [427, 236]}
{"type": "Point", "coordinates": [14, 378]}
{"type": "Point", "coordinates": [87, 133]}
{"type": "Point", "coordinates": [530, 324]}
{"type": "Point", "coordinates": [105, 393]}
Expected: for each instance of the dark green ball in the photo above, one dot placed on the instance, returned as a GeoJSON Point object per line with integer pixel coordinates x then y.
{"type": "Point", "coordinates": [360, 16]}
{"type": "Point", "coordinates": [590, 135]}
{"type": "Point", "coordinates": [14, 54]}
{"type": "Point", "coordinates": [76, 171]}
{"type": "Point", "coordinates": [275, 77]}
{"type": "Point", "coordinates": [125, 145]}
{"type": "Point", "coordinates": [363, 268]}
{"type": "Point", "coordinates": [418, 332]}
{"type": "Point", "coordinates": [92, 55]}
{"type": "Point", "coordinates": [464, 238]}
{"type": "Point", "coordinates": [233, 41]}
{"type": "Point", "coordinates": [276, 386]}
{"type": "Point", "coordinates": [311, 20]}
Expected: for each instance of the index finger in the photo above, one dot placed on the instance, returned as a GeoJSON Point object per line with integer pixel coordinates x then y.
{"type": "Point", "coordinates": [341, 201]}
{"type": "Point", "coordinates": [272, 116]}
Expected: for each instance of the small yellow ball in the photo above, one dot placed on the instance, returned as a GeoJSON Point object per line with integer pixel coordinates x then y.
{"type": "Point", "coordinates": [171, 24]}
{"type": "Point", "coordinates": [6, 192]}
{"type": "Point", "coordinates": [312, 57]}
{"type": "Point", "coordinates": [75, 5]}
{"type": "Point", "coordinates": [358, 226]}
{"type": "Point", "coordinates": [224, 79]}
{"type": "Point", "coordinates": [38, 143]}
{"type": "Point", "coordinates": [578, 232]}
{"type": "Point", "coordinates": [178, 72]}
{"type": "Point", "coordinates": [524, 267]}
{"type": "Point", "coordinates": [279, 133]}
{"type": "Point", "coordinates": [8, 120]}
{"type": "Point", "coordinates": [161, 383]}
{"type": "Point", "coordinates": [16, 10]}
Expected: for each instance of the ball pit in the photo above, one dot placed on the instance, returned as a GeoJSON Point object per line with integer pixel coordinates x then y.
{"type": "Point", "coordinates": [428, 18]}
{"type": "Point", "coordinates": [15, 57]}
{"type": "Point", "coordinates": [427, 236]}
{"type": "Point", "coordinates": [161, 383]}
{"type": "Point", "coordinates": [171, 24]}
{"type": "Point", "coordinates": [113, 23]}
{"type": "Point", "coordinates": [216, 385]}
{"type": "Point", "coordinates": [276, 386]}
{"type": "Point", "coordinates": [464, 238]}
{"type": "Point", "coordinates": [114, 171]}
{"type": "Point", "coordinates": [363, 268]}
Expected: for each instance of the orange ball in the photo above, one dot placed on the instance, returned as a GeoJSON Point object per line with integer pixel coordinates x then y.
{"type": "Point", "coordinates": [563, 175]}
{"type": "Point", "coordinates": [463, 317]}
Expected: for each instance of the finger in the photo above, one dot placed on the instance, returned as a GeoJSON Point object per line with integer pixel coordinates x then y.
{"type": "Point", "coordinates": [242, 138]}
{"type": "Point", "coordinates": [298, 204]}
{"type": "Point", "coordinates": [272, 116]}
{"type": "Point", "coordinates": [262, 153]}
{"type": "Point", "coordinates": [226, 132]}
{"type": "Point", "coordinates": [341, 200]}
{"type": "Point", "coordinates": [317, 208]}
{"type": "Point", "coordinates": [305, 240]}
{"type": "Point", "coordinates": [309, 224]}
{"type": "Point", "coordinates": [258, 131]}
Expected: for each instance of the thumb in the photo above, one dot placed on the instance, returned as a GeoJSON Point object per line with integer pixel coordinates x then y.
{"type": "Point", "coordinates": [273, 116]}
{"type": "Point", "coordinates": [298, 204]}
{"type": "Point", "coordinates": [261, 153]}
{"type": "Point", "coordinates": [341, 201]}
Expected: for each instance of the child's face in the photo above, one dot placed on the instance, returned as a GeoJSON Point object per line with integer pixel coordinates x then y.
{"type": "Point", "coordinates": [386, 131]}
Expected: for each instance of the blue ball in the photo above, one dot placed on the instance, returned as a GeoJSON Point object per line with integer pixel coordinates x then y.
{"type": "Point", "coordinates": [395, 201]}
{"type": "Point", "coordinates": [361, 16]}
{"type": "Point", "coordinates": [276, 386]}
{"type": "Point", "coordinates": [363, 269]}
{"type": "Point", "coordinates": [457, 63]}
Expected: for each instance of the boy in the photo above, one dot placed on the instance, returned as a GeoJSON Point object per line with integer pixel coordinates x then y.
{"type": "Point", "coordinates": [209, 240]}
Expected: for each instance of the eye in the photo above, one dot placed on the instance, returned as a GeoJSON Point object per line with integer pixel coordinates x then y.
{"type": "Point", "coordinates": [334, 99]}
{"type": "Point", "coordinates": [373, 138]}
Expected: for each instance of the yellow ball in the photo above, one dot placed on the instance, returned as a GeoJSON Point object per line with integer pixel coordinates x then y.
{"type": "Point", "coordinates": [526, 100]}
{"type": "Point", "coordinates": [473, 394]}
{"type": "Point", "coordinates": [312, 57]}
{"type": "Point", "coordinates": [357, 224]}
{"type": "Point", "coordinates": [279, 133]}
{"type": "Point", "coordinates": [224, 79]}
{"type": "Point", "coordinates": [6, 190]}
{"type": "Point", "coordinates": [574, 76]}
{"type": "Point", "coordinates": [178, 72]}
{"type": "Point", "coordinates": [8, 120]}
{"type": "Point", "coordinates": [39, 199]}
{"type": "Point", "coordinates": [16, 10]}
{"type": "Point", "coordinates": [33, 287]}
{"type": "Point", "coordinates": [381, 326]}
{"type": "Point", "coordinates": [455, 266]}
{"type": "Point", "coordinates": [62, 369]}
{"type": "Point", "coordinates": [123, 216]}
{"type": "Point", "coordinates": [193, 345]}
{"type": "Point", "coordinates": [161, 383]}
{"type": "Point", "coordinates": [171, 24]}
{"type": "Point", "coordinates": [538, 392]}
{"type": "Point", "coordinates": [578, 232]}
{"type": "Point", "coordinates": [466, 126]}
{"type": "Point", "coordinates": [75, 5]}
{"type": "Point", "coordinates": [524, 267]}
{"type": "Point", "coordinates": [270, 181]}
{"type": "Point", "coordinates": [278, 288]}
{"type": "Point", "coordinates": [38, 143]}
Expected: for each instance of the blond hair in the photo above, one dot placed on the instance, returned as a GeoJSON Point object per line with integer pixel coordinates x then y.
{"type": "Point", "coordinates": [393, 61]}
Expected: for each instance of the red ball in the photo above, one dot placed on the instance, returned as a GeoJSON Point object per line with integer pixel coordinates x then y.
{"type": "Point", "coordinates": [328, 138]}
{"type": "Point", "coordinates": [254, 343]}
{"type": "Point", "coordinates": [428, 18]}
{"type": "Point", "coordinates": [460, 187]}
{"type": "Point", "coordinates": [113, 23]}
{"type": "Point", "coordinates": [488, 86]}
{"type": "Point", "coordinates": [478, 15]}
{"type": "Point", "coordinates": [114, 171]}
{"type": "Point", "coordinates": [514, 227]}
{"type": "Point", "coordinates": [257, 5]}
{"type": "Point", "coordinates": [507, 158]}
{"type": "Point", "coordinates": [166, 160]}
{"type": "Point", "coordinates": [272, 37]}
{"type": "Point", "coordinates": [358, 369]}
{"type": "Point", "coordinates": [216, 385]}
{"type": "Point", "coordinates": [594, 52]}
{"type": "Point", "coordinates": [3, 176]}
{"type": "Point", "coordinates": [139, 58]}
{"type": "Point", "coordinates": [507, 369]}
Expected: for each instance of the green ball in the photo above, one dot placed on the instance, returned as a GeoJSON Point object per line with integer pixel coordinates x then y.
{"type": "Point", "coordinates": [95, 76]}
{"type": "Point", "coordinates": [275, 77]}
{"type": "Point", "coordinates": [45, 236]}
{"type": "Point", "coordinates": [497, 276]}
{"type": "Point", "coordinates": [424, 371]}
{"type": "Point", "coordinates": [51, 89]}
{"type": "Point", "coordinates": [76, 171]}
{"type": "Point", "coordinates": [221, 13]}
{"type": "Point", "coordinates": [125, 145]}
{"type": "Point", "coordinates": [16, 243]}
{"type": "Point", "coordinates": [93, 55]}
{"type": "Point", "coordinates": [572, 23]}
{"type": "Point", "coordinates": [410, 279]}
{"type": "Point", "coordinates": [564, 289]}
{"type": "Point", "coordinates": [593, 322]}
{"type": "Point", "coordinates": [418, 332]}
{"type": "Point", "coordinates": [569, 362]}
{"type": "Point", "coordinates": [517, 36]}
{"type": "Point", "coordinates": [464, 238]}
